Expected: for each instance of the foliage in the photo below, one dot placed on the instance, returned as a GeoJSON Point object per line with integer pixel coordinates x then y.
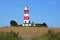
{"type": "Point", "coordinates": [14, 36]}
{"type": "Point", "coordinates": [49, 31]}
{"type": "Point", "coordinates": [41, 25]}
{"type": "Point", "coordinates": [38, 25]}
{"type": "Point", "coordinates": [20, 25]}
{"type": "Point", "coordinates": [9, 36]}
{"type": "Point", "coordinates": [52, 36]}
{"type": "Point", "coordinates": [44, 24]}
{"type": "Point", "coordinates": [13, 23]}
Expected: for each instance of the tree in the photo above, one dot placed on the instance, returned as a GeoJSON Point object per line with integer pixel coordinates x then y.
{"type": "Point", "coordinates": [38, 25]}
{"type": "Point", "coordinates": [13, 23]}
{"type": "Point", "coordinates": [20, 25]}
{"type": "Point", "coordinates": [44, 24]}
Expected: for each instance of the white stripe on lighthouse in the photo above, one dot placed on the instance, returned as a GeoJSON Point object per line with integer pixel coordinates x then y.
{"type": "Point", "coordinates": [27, 21]}
{"type": "Point", "coordinates": [26, 14]}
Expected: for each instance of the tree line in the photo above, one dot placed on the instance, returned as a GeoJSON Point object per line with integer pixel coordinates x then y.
{"type": "Point", "coordinates": [14, 23]}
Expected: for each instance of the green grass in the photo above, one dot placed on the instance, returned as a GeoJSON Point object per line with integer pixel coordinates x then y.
{"type": "Point", "coordinates": [13, 36]}
{"type": "Point", "coordinates": [53, 36]}
{"type": "Point", "coordinates": [9, 36]}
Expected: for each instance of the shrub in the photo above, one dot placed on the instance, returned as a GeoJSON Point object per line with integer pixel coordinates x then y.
{"type": "Point", "coordinates": [9, 36]}
{"type": "Point", "coordinates": [20, 25]}
{"type": "Point", "coordinates": [49, 31]}
{"type": "Point", "coordinates": [13, 23]}
{"type": "Point", "coordinates": [44, 24]}
{"type": "Point", "coordinates": [52, 36]}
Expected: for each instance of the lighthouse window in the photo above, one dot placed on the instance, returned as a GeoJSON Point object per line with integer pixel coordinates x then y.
{"type": "Point", "coordinates": [25, 21]}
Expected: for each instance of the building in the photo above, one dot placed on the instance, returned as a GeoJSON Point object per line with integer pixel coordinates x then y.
{"type": "Point", "coordinates": [26, 17]}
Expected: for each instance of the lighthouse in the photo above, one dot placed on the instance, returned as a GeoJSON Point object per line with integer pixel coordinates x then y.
{"type": "Point", "coordinates": [26, 17]}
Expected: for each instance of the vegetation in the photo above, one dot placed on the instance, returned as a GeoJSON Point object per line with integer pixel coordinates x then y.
{"type": "Point", "coordinates": [52, 36]}
{"type": "Point", "coordinates": [41, 25]}
{"type": "Point", "coordinates": [13, 23]}
{"type": "Point", "coordinates": [14, 36]}
{"type": "Point", "coordinates": [44, 24]}
{"type": "Point", "coordinates": [20, 25]}
{"type": "Point", "coordinates": [9, 36]}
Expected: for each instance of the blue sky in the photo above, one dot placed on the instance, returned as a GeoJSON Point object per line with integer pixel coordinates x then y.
{"type": "Point", "coordinates": [47, 11]}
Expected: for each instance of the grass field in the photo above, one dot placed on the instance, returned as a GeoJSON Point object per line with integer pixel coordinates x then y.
{"type": "Point", "coordinates": [28, 32]}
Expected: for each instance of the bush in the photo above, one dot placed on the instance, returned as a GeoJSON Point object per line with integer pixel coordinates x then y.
{"type": "Point", "coordinates": [20, 25]}
{"type": "Point", "coordinates": [41, 25]}
{"type": "Point", "coordinates": [44, 24]}
{"type": "Point", "coordinates": [9, 36]}
{"type": "Point", "coordinates": [38, 25]}
{"type": "Point", "coordinates": [53, 36]}
{"type": "Point", "coordinates": [49, 31]}
{"type": "Point", "coordinates": [13, 23]}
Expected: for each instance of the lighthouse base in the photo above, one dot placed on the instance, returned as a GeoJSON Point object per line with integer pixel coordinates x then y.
{"type": "Point", "coordinates": [26, 24]}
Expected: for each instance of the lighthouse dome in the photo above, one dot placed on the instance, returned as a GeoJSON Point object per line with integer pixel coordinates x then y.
{"type": "Point", "coordinates": [26, 7]}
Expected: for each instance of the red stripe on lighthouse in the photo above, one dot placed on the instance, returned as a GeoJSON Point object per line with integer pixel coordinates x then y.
{"type": "Point", "coordinates": [26, 11]}
{"type": "Point", "coordinates": [26, 17]}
